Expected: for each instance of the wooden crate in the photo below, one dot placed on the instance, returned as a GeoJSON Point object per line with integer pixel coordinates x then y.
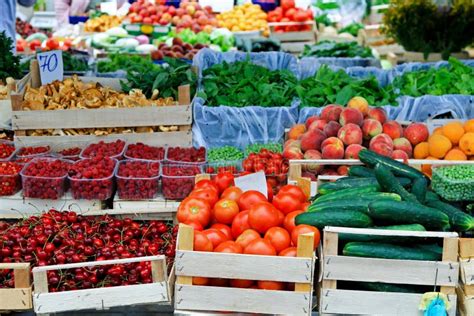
{"type": "Point", "coordinates": [372, 36]}
{"type": "Point", "coordinates": [345, 268]}
{"type": "Point", "coordinates": [18, 298]}
{"type": "Point", "coordinates": [238, 266]}
{"type": "Point", "coordinates": [158, 208]}
{"type": "Point", "coordinates": [377, 13]}
{"type": "Point", "coordinates": [179, 115]}
{"type": "Point", "coordinates": [405, 57]}
{"type": "Point", "coordinates": [466, 267]}
{"type": "Point", "coordinates": [157, 292]}
{"type": "Point", "coordinates": [304, 36]}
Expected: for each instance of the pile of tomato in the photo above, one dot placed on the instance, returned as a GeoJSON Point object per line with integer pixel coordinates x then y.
{"type": "Point", "coordinates": [226, 219]}
{"type": "Point", "coordinates": [288, 12]}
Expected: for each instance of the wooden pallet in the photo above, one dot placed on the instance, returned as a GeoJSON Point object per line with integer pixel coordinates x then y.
{"type": "Point", "coordinates": [158, 292]}
{"type": "Point", "coordinates": [179, 115]}
{"type": "Point", "coordinates": [190, 263]}
{"type": "Point", "coordinates": [18, 298]}
{"type": "Point", "coordinates": [345, 268]}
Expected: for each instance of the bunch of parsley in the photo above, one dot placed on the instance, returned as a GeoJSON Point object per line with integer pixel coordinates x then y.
{"type": "Point", "coordinates": [9, 63]}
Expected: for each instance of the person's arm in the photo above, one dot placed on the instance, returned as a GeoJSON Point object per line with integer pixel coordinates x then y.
{"type": "Point", "coordinates": [62, 7]}
{"type": "Point", "coordinates": [7, 19]}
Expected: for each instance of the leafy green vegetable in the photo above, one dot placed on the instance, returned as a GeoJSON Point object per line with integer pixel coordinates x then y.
{"type": "Point", "coordinates": [352, 29]}
{"type": "Point", "coordinates": [333, 49]}
{"type": "Point", "coordinates": [323, 19]}
{"type": "Point", "coordinates": [166, 78]}
{"type": "Point", "coordinates": [9, 63]}
{"type": "Point", "coordinates": [125, 62]}
{"type": "Point", "coordinates": [255, 148]}
{"type": "Point", "coordinates": [222, 38]}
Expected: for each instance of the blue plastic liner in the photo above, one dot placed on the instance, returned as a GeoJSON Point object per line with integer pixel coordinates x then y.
{"type": "Point", "coordinates": [240, 126]}
{"type": "Point", "coordinates": [409, 67]}
{"type": "Point", "coordinates": [344, 62]}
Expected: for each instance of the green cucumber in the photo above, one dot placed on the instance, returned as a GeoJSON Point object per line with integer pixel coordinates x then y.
{"type": "Point", "coordinates": [408, 213]}
{"type": "Point", "coordinates": [388, 239]}
{"type": "Point", "coordinates": [459, 220]}
{"type": "Point", "coordinates": [387, 251]}
{"type": "Point", "coordinates": [350, 182]}
{"type": "Point", "coordinates": [361, 171]}
{"type": "Point", "coordinates": [431, 196]}
{"type": "Point", "coordinates": [419, 189]}
{"type": "Point", "coordinates": [431, 247]}
{"type": "Point", "coordinates": [359, 204]}
{"type": "Point", "coordinates": [358, 191]}
{"type": "Point", "coordinates": [334, 218]}
{"type": "Point", "coordinates": [371, 159]}
{"type": "Point", "coordinates": [387, 287]}
{"type": "Point", "coordinates": [389, 183]}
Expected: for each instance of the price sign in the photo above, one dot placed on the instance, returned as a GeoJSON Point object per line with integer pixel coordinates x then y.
{"type": "Point", "coordinates": [254, 181]}
{"type": "Point", "coordinates": [50, 66]}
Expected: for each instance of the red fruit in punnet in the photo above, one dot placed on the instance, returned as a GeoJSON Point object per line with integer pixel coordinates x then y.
{"type": "Point", "coordinates": [32, 151]}
{"type": "Point", "coordinates": [143, 151]}
{"type": "Point", "coordinates": [181, 154]}
{"type": "Point", "coordinates": [103, 149]}
{"type": "Point", "coordinates": [92, 178]}
{"type": "Point", "coordinates": [71, 153]}
{"type": "Point", "coordinates": [45, 178]}
{"type": "Point", "coordinates": [138, 180]}
{"type": "Point", "coordinates": [10, 181]}
{"type": "Point", "coordinates": [178, 180]}
{"type": "Point", "coordinates": [6, 150]}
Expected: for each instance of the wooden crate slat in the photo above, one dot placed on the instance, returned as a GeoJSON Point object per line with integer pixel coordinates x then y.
{"type": "Point", "coordinates": [15, 299]}
{"type": "Point", "coordinates": [238, 266]}
{"type": "Point", "coordinates": [465, 302]}
{"type": "Point", "coordinates": [467, 271]}
{"type": "Point", "coordinates": [102, 118]}
{"type": "Point", "coordinates": [383, 232]}
{"type": "Point", "coordinates": [100, 298]}
{"type": "Point", "coordinates": [200, 298]}
{"type": "Point", "coordinates": [390, 271]}
{"type": "Point", "coordinates": [374, 303]}
{"type": "Point", "coordinates": [466, 247]}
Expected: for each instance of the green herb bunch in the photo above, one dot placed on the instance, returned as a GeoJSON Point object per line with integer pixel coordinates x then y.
{"type": "Point", "coordinates": [9, 63]}
{"type": "Point", "coordinates": [125, 62]}
{"type": "Point", "coordinates": [333, 49]}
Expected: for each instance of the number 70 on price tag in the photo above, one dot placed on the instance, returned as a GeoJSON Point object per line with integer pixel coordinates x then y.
{"type": "Point", "coordinates": [50, 66]}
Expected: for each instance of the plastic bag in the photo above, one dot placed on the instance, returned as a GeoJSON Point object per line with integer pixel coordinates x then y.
{"type": "Point", "coordinates": [344, 62]}
{"type": "Point", "coordinates": [224, 125]}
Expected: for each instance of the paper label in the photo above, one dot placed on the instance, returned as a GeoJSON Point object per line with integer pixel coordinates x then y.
{"type": "Point", "coordinates": [50, 66]}
{"type": "Point", "coordinates": [254, 181]}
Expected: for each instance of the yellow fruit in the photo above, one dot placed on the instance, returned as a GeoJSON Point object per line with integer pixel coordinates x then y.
{"type": "Point", "coordinates": [455, 154]}
{"type": "Point", "coordinates": [466, 143]}
{"type": "Point", "coordinates": [453, 131]}
{"type": "Point", "coordinates": [438, 131]}
{"type": "Point", "coordinates": [439, 145]}
{"type": "Point", "coordinates": [469, 126]}
{"type": "Point", "coordinates": [421, 151]}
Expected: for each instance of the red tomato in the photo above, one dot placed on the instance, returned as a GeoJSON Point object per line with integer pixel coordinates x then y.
{"type": "Point", "coordinates": [263, 216]}
{"type": "Point", "coordinates": [278, 237]}
{"type": "Point", "coordinates": [52, 44]}
{"type": "Point", "coordinates": [288, 252]}
{"type": "Point", "coordinates": [270, 285]}
{"type": "Point", "coordinates": [287, 4]}
{"type": "Point", "coordinates": [232, 193]}
{"type": "Point", "coordinates": [194, 209]}
{"type": "Point", "coordinates": [295, 190]}
{"type": "Point", "coordinates": [241, 283]}
{"type": "Point", "coordinates": [229, 246]}
{"type": "Point", "coordinates": [224, 180]}
{"type": "Point", "coordinates": [290, 14]}
{"type": "Point", "coordinates": [240, 223]}
{"type": "Point", "coordinates": [225, 211]}
{"type": "Point", "coordinates": [289, 221]}
{"type": "Point", "coordinates": [196, 225]}
{"type": "Point", "coordinates": [219, 282]}
{"type": "Point", "coordinates": [305, 229]}
{"type": "Point", "coordinates": [225, 229]}
{"type": "Point", "coordinates": [249, 198]}
{"type": "Point", "coordinates": [200, 281]}
{"type": "Point", "coordinates": [260, 247]}
{"type": "Point", "coordinates": [34, 44]}
{"type": "Point", "coordinates": [286, 203]}
{"type": "Point", "coordinates": [201, 242]}
{"type": "Point", "coordinates": [269, 191]}
{"type": "Point", "coordinates": [300, 16]}
{"type": "Point", "coordinates": [206, 184]}
{"type": "Point", "coordinates": [208, 195]}
{"type": "Point", "coordinates": [281, 218]}
{"type": "Point", "coordinates": [215, 236]}
{"type": "Point", "coordinates": [247, 237]}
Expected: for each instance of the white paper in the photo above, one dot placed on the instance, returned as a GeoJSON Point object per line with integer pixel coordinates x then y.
{"type": "Point", "coordinates": [254, 181]}
{"type": "Point", "coordinates": [303, 4]}
{"type": "Point", "coordinates": [218, 5]}
{"type": "Point", "coordinates": [109, 7]}
{"type": "Point", "coordinates": [50, 66]}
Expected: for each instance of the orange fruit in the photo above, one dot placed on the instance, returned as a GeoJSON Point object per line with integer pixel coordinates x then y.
{"type": "Point", "coordinates": [439, 145]}
{"type": "Point", "coordinates": [438, 131]}
{"type": "Point", "coordinates": [426, 169]}
{"type": "Point", "coordinates": [469, 126]}
{"type": "Point", "coordinates": [421, 151]}
{"type": "Point", "coordinates": [466, 143]}
{"type": "Point", "coordinates": [455, 154]}
{"type": "Point", "coordinates": [453, 131]}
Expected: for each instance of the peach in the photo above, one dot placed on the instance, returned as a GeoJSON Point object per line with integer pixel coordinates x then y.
{"type": "Point", "coordinates": [333, 151]}
{"type": "Point", "coordinates": [332, 128]}
{"type": "Point", "coordinates": [403, 144]}
{"type": "Point", "coordinates": [310, 120]}
{"type": "Point", "coordinates": [393, 129]}
{"type": "Point", "coordinates": [292, 143]}
{"type": "Point", "coordinates": [352, 151]}
{"type": "Point", "coordinates": [360, 104]}
{"type": "Point", "coordinates": [349, 115]}
{"type": "Point", "coordinates": [400, 154]}
{"type": "Point", "coordinates": [292, 153]}
{"type": "Point", "coordinates": [416, 133]}
{"type": "Point", "coordinates": [318, 124]}
{"type": "Point", "coordinates": [312, 176]}
{"type": "Point", "coordinates": [371, 128]}
{"type": "Point", "coordinates": [331, 112]}
{"type": "Point", "coordinates": [350, 134]}
{"type": "Point", "coordinates": [378, 114]}
{"type": "Point", "coordinates": [343, 170]}
{"type": "Point", "coordinates": [331, 141]}
{"type": "Point", "coordinates": [296, 131]}
{"type": "Point", "coordinates": [381, 148]}
{"type": "Point", "coordinates": [383, 138]}
{"type": "Point", "coordinates": [313, 154]}
{"type": "Point", "coordinates": [312, 139]}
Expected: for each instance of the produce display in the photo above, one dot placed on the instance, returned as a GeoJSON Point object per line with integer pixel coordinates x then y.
{"type": "Point", "coordinates": [274, 165]}
{"type": "Point", "coordinates": [137, 179]}
{"type": "Point", "coordinates": [454, 183]}
{"type": "Point", "coordinates": [246, 17]}
{"type": "Point", "coordinates": [102, 23]}
{"type": "Point", "coordinates": [186, 155]}
{"type": "Point", "coordinates": [24, 28]}
{"type": "Point", "coordinates": [333, 49]}
{"type": "Point", "coordinates": [219, 39]}
{"type": "Point", "coordinates": [9, 63]}
{"type": "Point", "coordinates": [288, 12]}
{"type": "Point", "coordinates": [226, 153]}
{"type": "Point", "coordinates": [103, 149]}
{"type": "Point", "coordinates": [178, 49]}
{"type": "Point", "coordinates": [146, 152]}
{"type": "Point", "coordinates": [177, 180]}
{"type": "Point", "coordinates": [115, 62]}
{"type": "Point", "coordinates": [10, 181]}
{"type": "Point", "coordinates": [71, 63]}
{"type": "Point", "coordinates": [6, 150]}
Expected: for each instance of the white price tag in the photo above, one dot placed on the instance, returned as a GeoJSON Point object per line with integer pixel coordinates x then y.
{"type": "Point", "coordinates": [303, 4]}
{"type": "Point", "coordinates": [254, 181]}
{"type": "Point", "coordinates": [218, 5]}
{"type": "Point", "coordinates": [109, 7]}
{"type": "Point", "coordinates": [50, 66]}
